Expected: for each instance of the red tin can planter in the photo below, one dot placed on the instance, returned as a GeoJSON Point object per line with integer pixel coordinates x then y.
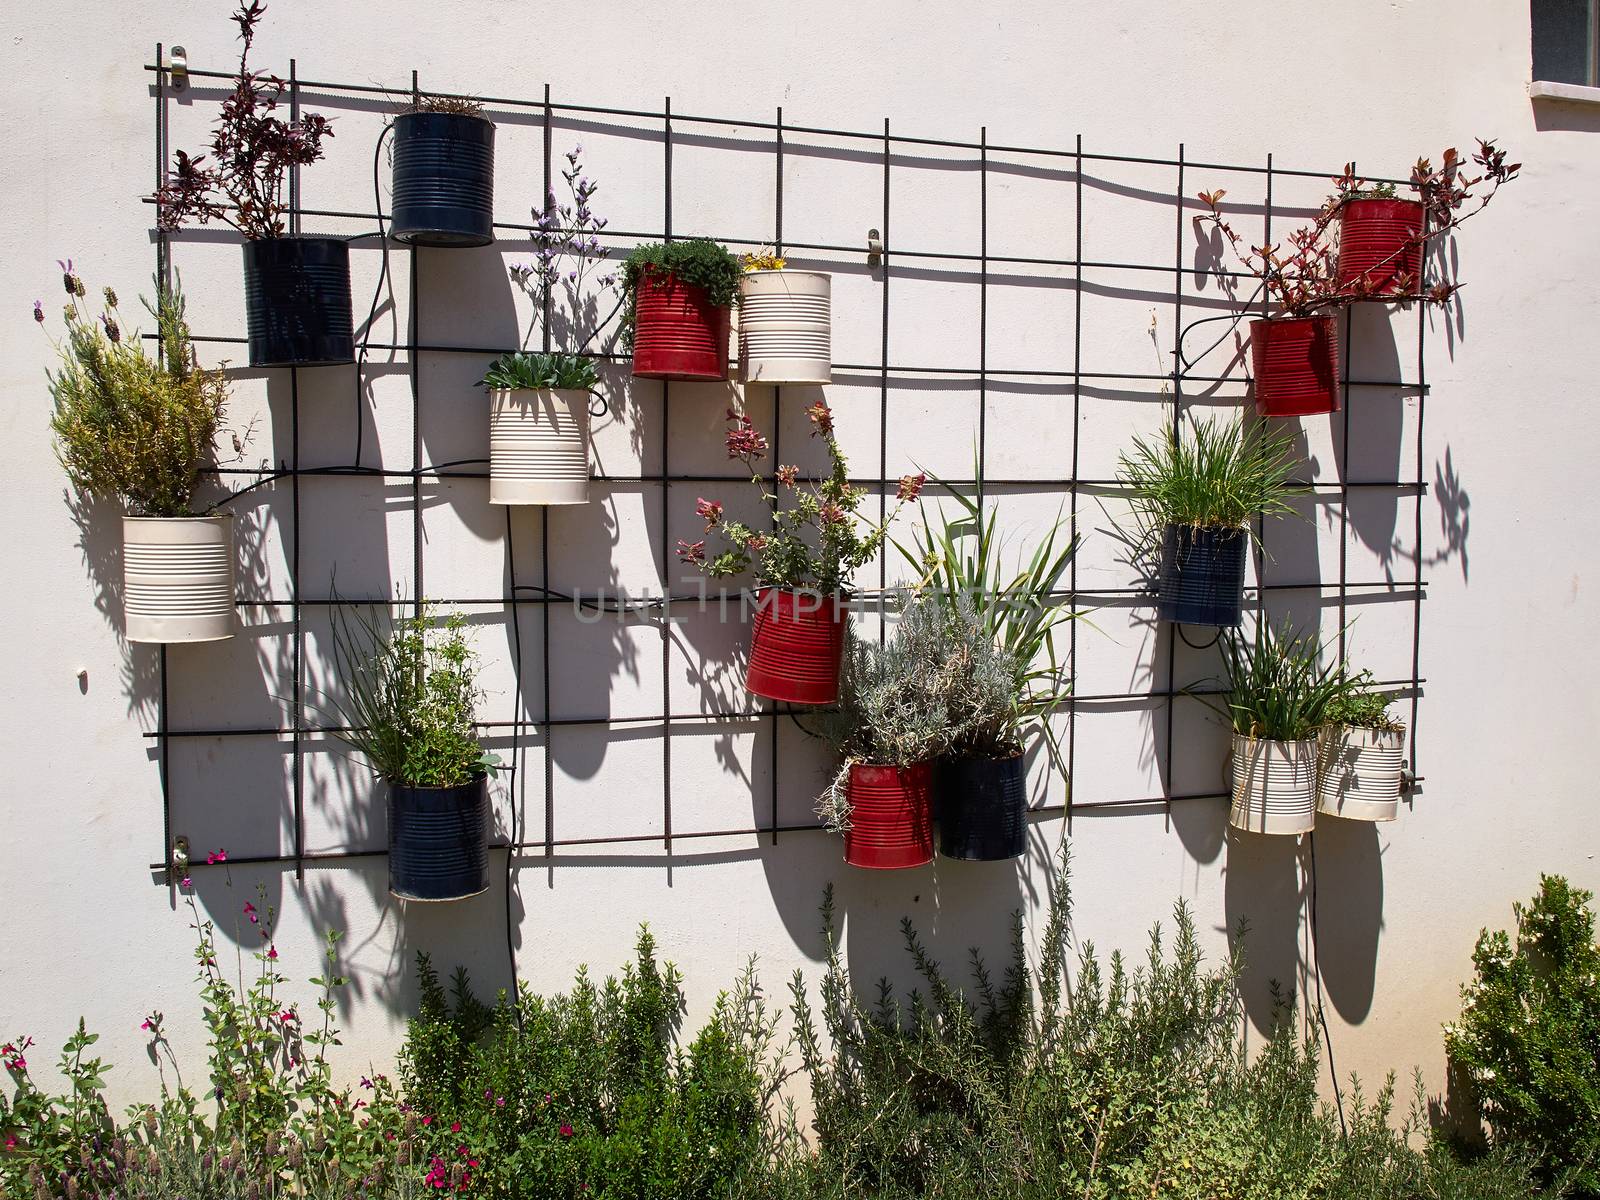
{"type": "Point", "coordinates": [1373, 244]}
{"type": "Point", "coordinates": [1296, 365]}
{"type": "Point", "coordinates": [891, 821]}
{"type": "Point", "coordinates": [796, 646]}
{"type": "Point", "coordinates": [678, 333]}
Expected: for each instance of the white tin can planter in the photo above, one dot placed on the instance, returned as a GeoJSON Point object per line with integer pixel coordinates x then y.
{"type": "Point", "coordinates": [785, 327]}
{"type": "Point", "coordinates": [177, 575]}
{"type": "Point", "coordinates": [1360, 772]}
{"type": "Point", "coordinates": [538, 446]}
{"type": "Point", "coordinates": [1274, 785]}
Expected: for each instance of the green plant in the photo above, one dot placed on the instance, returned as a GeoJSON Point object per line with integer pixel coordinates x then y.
{"type": "Point", "coordinates": [1277, 687]}
{"type": "Point", "coordinates": [695, 262]}
{"type": "Point", "coordinates": [1360, 704]}
{"type": "Point", "coordinates": [1221, 477]}
{"type": "Point", "coordinates": [819, 540]}
{"type": "Point", "coordinates": [525, 370]}
{"type": "Point", "coordinates": [591, 1092]}
{"type": "Point", "coordinates": [411, 697]}
{"type": "Point", "coordinates": [1528, 1038]}
{"type": "Point", "coordinates": [1020, 612]}
{"type": "Point", "coordinates": [461, 106]}
{"type": "Point", "coordinates": [128, 424]}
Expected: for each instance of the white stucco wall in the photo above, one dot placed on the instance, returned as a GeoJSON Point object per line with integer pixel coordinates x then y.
{"type": "Point", "coordinates": [1507, 641]}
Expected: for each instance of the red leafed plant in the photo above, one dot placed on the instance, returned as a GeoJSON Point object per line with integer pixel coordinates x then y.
{"type": "Point", "coordinates": [1301, 275]}
{"type": "Point", "coordinates": [252, 150]}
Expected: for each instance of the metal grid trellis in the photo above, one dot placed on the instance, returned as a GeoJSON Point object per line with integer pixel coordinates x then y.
{"type": "Point", "coordinates": [516, 595]}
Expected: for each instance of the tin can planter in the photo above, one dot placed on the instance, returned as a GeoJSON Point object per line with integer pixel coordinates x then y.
{"type": "Point", "coordinates": [1274, 785]}
{"type": "Point", "coordinates": [678, 333]}
{"type": "Point", "coordinates": [1201, 577]}
{"type": "Point", "coordinates": [785, 327]}
{"type": "Point", "coordinates": [891, 823]}
{"type": "Point", "coordinates": [177, 575]}
{"type": "Point", "coordinates": [796, 646]}
{"type": "Point", "coordinates": [439, 841]}
{"type": "Point", "coordinates": [297, 302]}
{"type": "Point", "coordinates": [982, 804]}
{"type": "Point", "coordinates": [1296, 366]}
{"type": "Point", "coordinates": [1359, 773]}
{"type": "Point", "coordinates": [443, 192]}
{"type": "Point", "coordinates": [1380, 246]}
{"type": "Point", "coordinates": [538, 446]}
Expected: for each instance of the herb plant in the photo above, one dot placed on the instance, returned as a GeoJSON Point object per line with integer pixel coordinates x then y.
{"type": "Point", "coordinates": [128, 424]}
{"type": "Point", "coordinates": [461, 106]}
{"type": "Point", "coordinates": [696, 262]}
{"type": "Point", "coordinates": [411, 699]}
{"type": "Point", "coordinates": [1360, 705]}
{"type": "Point", "coordinates": [761, 260]}
{"type": "Point", "coordinates": [521, 370]}
{"type": "Point", "coordinates": [252, 152]}
{"type": "Point", "coordinates": [1219, 477]}
{"type": "Point", "coordinates": [1528, 1039]}
{"type": "Point", "coordinates": [1019, 611]}
{"type": "Point", "coordinates": [818, 538]}
{"type": "Point", "coordinates": [1277, 688]}
{"type": "Point", "coordinates": [566, 255]}
{"type": "Point", "coordinates": [896, 701]}
{"type": "Point", "coordinates": [982, 684]}
{"type": "Point", "coordinates": [1303, 279]}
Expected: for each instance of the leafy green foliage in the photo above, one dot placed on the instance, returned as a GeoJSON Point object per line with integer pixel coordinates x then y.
{"type": "Point", "coordinates": [1074, 1079]}
{"type": "Point", "coordinates": [1359, 704]}
{"type": "Point", "coordinates": [128, 424]}
{"type": "Point", "coordinates": [697, 262]}
{"type": "Point", "coordinates": [1528, 1037]}
{"type": "Point", "coordinates": [1220, 477]}
{"type": "Point", "coordinates": [1277, 688]}
{"type": "Point", "coordinates": [591, 1093]}
{"type": "Point", "coordinates": [1019, 611]}
{"type": "Point", "coordinates": [524, 369]}
{"type": "Point", "coordinates": [412, 697]}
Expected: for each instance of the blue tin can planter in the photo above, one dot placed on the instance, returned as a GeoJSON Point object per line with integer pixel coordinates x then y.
{"type": "Point", "coordinates": [297, 302]}
{"type": "Point", "coordinates": [982, 806]}
{"type": "Point", "coordinates": [439, 841]}
{"type": "Point", "coordinates": [1201, 579]}
{"type": "Point", "coordinates": [443, 192]}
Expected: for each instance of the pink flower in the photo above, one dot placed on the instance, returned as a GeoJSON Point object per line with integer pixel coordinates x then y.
{"type": "Point", "coordinates": [744, 441]}
{"type": "Point", "coordinates": [694, 554]}
{"type": "Point", "coordinates": [288, 1015]}
{"type": "Point", "coordinates": [272, 953]}
{"type": "Point", "coordinates": [250, 911]}
{"type": "Point", "coordinates": [831, 514]}
{"type": "Point", "coordinates": [215, 857]}
{"type": "Point", "coordinates": [499, 1101]}
{"type": "Point", "coordinates": [11, 1142]}
{"type": "Point", "coordinates": [756, 542]}
{"type": "Point", "coordinates": [146, 1026]}
{"type": "Point", "coordinates": [455, 1126]}
{"type": "Point", "coordinates": [186, 883]}
{"type": "Point", "coordinates": [709, 511]}
{"type": "Point", "coordinates": [821, 416]}
{"type": "Point", "coordinates": [911, 486]}
{"type": "Point", "coordinates": [788, 475]}
{"type": "Point", "coordinates": [566, 1130]}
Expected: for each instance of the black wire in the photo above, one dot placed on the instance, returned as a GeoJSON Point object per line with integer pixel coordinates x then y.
{"type": "Point", "coordinates": [516, 749]}
{"type": "Point", "coordinates": [377, 291]}
{"type": "Point", "coordinates": [1215, 639]}
{"type": "Point", "coordinates": [1316, 962]}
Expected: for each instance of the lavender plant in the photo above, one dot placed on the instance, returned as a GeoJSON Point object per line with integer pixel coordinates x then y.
{"type": "Point", "coordinates": [567, 259]}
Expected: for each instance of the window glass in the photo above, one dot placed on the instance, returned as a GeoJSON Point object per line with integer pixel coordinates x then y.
{"type": "Point", "coordinates": [1563, 41]}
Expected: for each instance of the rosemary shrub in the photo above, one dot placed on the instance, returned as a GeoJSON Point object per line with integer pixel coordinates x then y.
{"type": "Point", "coordinates": [1220, 477]}
{"type": "Point", "coordinates": [126, 423]}
{"type": "Point", "coordinates": [411, 697]}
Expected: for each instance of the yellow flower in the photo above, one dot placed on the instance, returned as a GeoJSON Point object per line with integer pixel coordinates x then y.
{"type": "Point", "coordinates": [762, 260]}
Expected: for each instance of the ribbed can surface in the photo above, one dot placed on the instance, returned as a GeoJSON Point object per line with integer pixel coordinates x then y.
{"type": "Point", "coordinates": [678, 333]}
{"type": "Point", "coordinates": [538, 446]}
{"type": "Point", "coordinates": [443, 192]}
{"type": "Point", "coordinates": [785, 327]}
{"type": "Point", "coordinates": [1274, 785]}
{"type": "Point", "coordinates": [891, 823]}
{"type": "Point", "coordinates": [982, 805]}
{"type": "Point", "coordinates": [1373, 237]}
{"type": "Point", "coordinates": [297, 302]}
{"type": "Point", "coordinates": [178, 578]}
{"type": "Point", "coordinates": [439, 841]}
{"type": "Point", "coordinates": [796, 645]}
{"type": "Point", "coordinates": [1201, 579]}
{"type": "Point", "coordinates": [1296, 366]}
{"type": "Point", "coordinates": [1358, 775]}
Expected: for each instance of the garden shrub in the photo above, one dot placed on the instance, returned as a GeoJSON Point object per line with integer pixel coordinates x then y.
{"type": "Point", "coordinates": [1528, 1039]}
